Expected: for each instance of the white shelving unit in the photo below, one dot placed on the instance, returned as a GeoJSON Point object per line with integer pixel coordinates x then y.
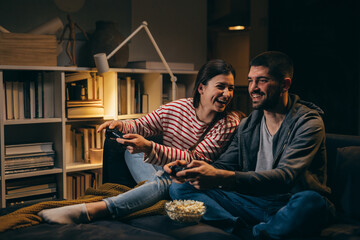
{"type": "Point", "coordinates": [156, 85]}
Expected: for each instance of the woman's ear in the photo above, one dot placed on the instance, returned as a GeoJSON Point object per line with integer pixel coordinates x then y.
{"type": "Point", "coordinates": [201, 88]}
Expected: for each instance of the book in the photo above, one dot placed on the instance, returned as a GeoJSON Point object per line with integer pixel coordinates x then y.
{"type": "Point", "coordinates": [99, 88]}
{"type": "Point", "coordinates": [32, 99]}
{"type": "Point", "coordinates": [31, 193]}
{"type": "Point", "coordinates": [69, 144]}
{"type": "Point", "coordinates": [29, 160]}
{"type": "Point", "coordinates": [132, 97]}
{"type": "Point", "coordinates": [77, 76]}
{"type": "Point", "coordinates": [145, 103]}
{"type": "Point", "coordinates": [34, 169]}
{"type": "Point", "coordinates": [85, 112]}
{"type": "Point", "coordinates": [9, 100]}
{"type": "Point", "coordinates": [11, 191]}
{"type": "Point", "coordinates": [98, 140]}
{"type": "Point", "coordinates": [17, 149]}
{"type": "Point", "coordinates": [69, 187]}
{"type": "Point", "coordinates": [49, 96]}
{"type": "Point", "coordinates": [128, 94]}
{"type": "Point", "coordinates": [84, 103]}
{"type": "Point", "coordinates": [79, 146]}
{"type": "Point", "coordinates": [85, 144]}
{"type": "Point", "coordinates": [15, 101]}
{"type": "Point", "coordinates": [39, 95]}
{"type": "Point", "coordinates": [24, 182]}
{"type": "Point", "coordinates": [154, 65]}
{"type": "Point", "coordinates": [21, 100]}
{"type": "Point", "coordinates": [122, 96]}
{"type": "Point", "coordinates": [27, 108]}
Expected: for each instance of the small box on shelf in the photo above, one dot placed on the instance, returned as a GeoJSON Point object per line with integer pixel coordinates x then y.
{"type": "Point", "coordinates": [28, 49]}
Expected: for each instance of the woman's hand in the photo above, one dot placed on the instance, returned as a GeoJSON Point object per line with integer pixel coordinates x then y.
{"type": "Point", "coordinates": [111, 124]}
{"type": "Point", "coordinates": [135, 143]}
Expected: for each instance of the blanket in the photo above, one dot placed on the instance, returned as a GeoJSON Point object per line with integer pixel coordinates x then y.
{"type": "Point", "coordinates": [27, 216]}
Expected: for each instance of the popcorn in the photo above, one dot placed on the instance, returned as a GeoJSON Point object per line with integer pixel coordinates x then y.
{"type": "Point", "coordinates": [185, 210]}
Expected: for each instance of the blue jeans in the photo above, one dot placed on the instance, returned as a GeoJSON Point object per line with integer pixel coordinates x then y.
{"type": "Point", "coordinates": [140, 170]}
{"type": "Point", "coordinates": [278, 216]}
{"type": "Point", "coordinates": [155, 189]}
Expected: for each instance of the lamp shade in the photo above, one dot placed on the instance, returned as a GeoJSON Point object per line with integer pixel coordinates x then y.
{"type": "Point", "coordinates": [101, 62]}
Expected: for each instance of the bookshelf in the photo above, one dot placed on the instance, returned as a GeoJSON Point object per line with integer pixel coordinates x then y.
{"type": "Point", "coordinates": [155, 85]}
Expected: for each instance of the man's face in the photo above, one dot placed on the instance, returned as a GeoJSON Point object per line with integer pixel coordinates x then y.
{"type": "Point", "coordinates": [264, 90]}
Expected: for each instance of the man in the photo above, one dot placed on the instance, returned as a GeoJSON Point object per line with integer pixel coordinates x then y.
{"type": "Point", "coordinates": [272, 177]}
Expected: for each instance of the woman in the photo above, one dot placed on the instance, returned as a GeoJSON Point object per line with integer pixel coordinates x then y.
{"type": "Point", "coordinates": [192, 128]}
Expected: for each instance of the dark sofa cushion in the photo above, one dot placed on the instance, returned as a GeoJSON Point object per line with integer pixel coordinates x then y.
{"type": "Point", "coordinates": [104, 230]}
{"type": "Point", "coordinates": [347, 181]}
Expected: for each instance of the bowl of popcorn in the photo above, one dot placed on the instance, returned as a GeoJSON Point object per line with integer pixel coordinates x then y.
{"type": "Point", "coordinates": [185, 211]}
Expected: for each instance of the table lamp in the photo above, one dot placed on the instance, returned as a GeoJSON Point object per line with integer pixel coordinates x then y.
{"type": "Point", "coordinates": [101, 60]}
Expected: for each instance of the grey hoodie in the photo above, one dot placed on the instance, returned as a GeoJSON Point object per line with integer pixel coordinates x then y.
{"type": "Point", "coordinates": [298, 150]}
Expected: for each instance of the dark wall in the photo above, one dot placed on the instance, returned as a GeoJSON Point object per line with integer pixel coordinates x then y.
{"type": "Point", "coordinates": [322, 37]}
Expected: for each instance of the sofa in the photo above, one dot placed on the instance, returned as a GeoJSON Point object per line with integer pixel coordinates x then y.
{"type": "Point", "coordinates": [343, 153]}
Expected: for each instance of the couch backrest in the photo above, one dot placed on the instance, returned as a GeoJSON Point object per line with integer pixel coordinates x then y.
{"type": "Point", "coordinates": [333, 142]}
{"type": "Point", "coordinates": [343, 156]}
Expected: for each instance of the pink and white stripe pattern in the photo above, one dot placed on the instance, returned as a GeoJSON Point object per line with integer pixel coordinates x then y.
{"type": "Point", "coordinates": [181, 129]}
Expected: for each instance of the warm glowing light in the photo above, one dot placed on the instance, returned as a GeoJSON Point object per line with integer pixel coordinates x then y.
{"type": "Point", "coordinates": [236, 28]}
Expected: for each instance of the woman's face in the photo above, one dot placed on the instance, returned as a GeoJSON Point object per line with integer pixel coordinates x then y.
{"type": "Point", "coordinates": [217, 93]}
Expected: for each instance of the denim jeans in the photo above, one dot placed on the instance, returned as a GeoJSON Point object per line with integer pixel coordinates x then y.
{"type": "Point", "coordinates": [155, 189]}
{"type": "Point", "coordinates": [140, 170]}
{"type": "Point", "coordinates": [278, 216]}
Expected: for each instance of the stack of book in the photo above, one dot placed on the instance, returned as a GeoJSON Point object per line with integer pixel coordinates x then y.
{"type": "Point", "coordinates": [131, 97]}
{"type": "Point", "coordinates": [24, 190]}
{"type": "Point", "coordinates": [84, 95]}
{"type": "Point", "coordinates": [30, 157]}
{"type": "Point", "coordinates": [29, 96]}
{"type": "Point", "coordinates": [77, 183]}
{"type": "Point", "coordinates": [80, 141]}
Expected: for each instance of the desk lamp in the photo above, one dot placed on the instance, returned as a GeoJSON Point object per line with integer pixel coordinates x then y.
{"type": "Point", "coordinates": [101, 60]}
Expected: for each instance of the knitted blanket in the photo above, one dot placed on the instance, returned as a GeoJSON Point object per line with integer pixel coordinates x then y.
{"type": "Point", "coordinates": [27, 216]}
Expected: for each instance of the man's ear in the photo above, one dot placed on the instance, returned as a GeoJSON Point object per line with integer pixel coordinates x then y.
{"type": "Point", "coordinates": [286, 84]}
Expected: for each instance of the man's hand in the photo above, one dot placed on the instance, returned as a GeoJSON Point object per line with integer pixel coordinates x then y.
{"type": "Point", "coordinates": [168, 170]}
{"type": "Point", "coordinates": [111, 124]}
{"type": "Point", "coordinates": [204, 176]}
{"type": "Point", "coordinates": [135, 143]}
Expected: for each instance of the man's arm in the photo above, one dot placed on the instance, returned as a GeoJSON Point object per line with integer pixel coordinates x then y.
{"type": "Point", "coordinates": [294, 161]}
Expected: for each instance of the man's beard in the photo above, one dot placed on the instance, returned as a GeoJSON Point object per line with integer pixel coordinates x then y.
{"type": "Point", "coordinates": [270, 102]}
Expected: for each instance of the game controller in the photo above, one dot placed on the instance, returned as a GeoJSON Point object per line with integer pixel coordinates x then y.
{"type": "Point", "coordinates": [175, 169]}
{"type": "Point", "coordinates": [113, 133]}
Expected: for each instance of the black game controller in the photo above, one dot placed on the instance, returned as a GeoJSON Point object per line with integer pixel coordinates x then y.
{"type": "Point", "coordinates": [113, 133]}
{"type": "Point", "coordinates": [175, 169]}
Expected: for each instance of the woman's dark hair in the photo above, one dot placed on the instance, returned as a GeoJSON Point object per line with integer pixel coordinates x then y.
{"type": "Point", "coordinates": [209, 70]}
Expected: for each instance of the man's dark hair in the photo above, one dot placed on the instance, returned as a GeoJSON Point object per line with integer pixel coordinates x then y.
{"type": "Point", "coordinates": [209, 70]}
{"type": "Point", "coordinates": [280, 65]}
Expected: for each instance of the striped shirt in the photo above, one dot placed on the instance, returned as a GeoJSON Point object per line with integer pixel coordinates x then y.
{"type": "Point", "coordinates": [178, 123]}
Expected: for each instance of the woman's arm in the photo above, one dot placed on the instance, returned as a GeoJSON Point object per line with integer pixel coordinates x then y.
{"type": "Point", "coordinates": [213, 144]}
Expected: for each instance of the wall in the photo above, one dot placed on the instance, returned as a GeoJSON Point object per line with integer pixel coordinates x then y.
{"type": "Point", "coordinates": [21, 16]}
{"type": "Point", "coordinates": [179, 27]}
{"type": "Point", "coordinates": [322, 38]}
